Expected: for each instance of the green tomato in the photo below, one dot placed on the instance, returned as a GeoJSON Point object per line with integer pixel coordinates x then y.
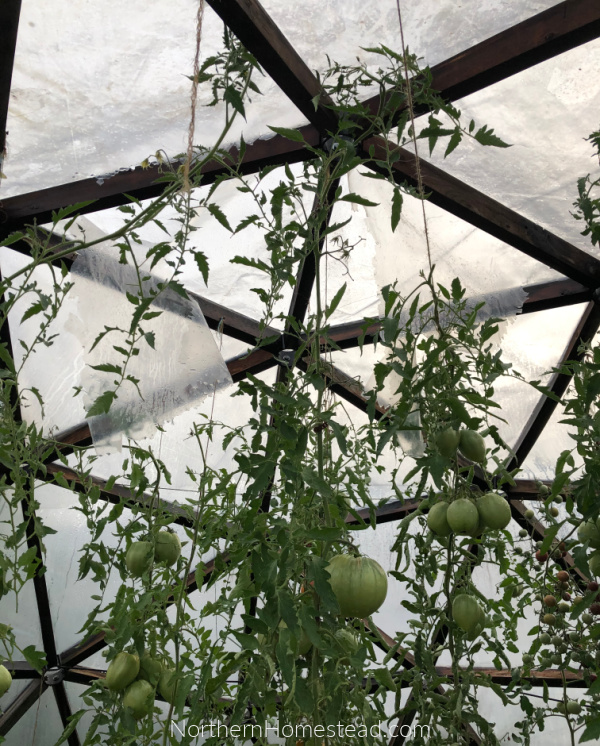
{"type": "Point", "coordinates": [150, 668]}
{"type": "Point", "coordinates": [437, 520]}
{"type": "Point", "coordinates": [463, 517]}
{"type": "Point", "coordinates": [358, 583]}
{"type": "Point", "coordinates": [139, 698]}
{"type": "Point", "coordinates": [5, 680]}
{"type": "Point", "coordinates": [447, 442]}
{"type": "Point", "coordinates": [589, 531]}
{"type": "Point", "coordinates": [122, 671]}
{"type": "Point", "coordinates": [167, 548]}
{"type": "Point", "coordinates": [494, 510]}
{"type": "Point", "coordinates": [573, 708]}
{"type": "Point", "coordinates": [139, 558]}
{"type": "Point", "coordinates": [168, 684]}
{"type": "Point", "coordinates": [348, 640]}
{"type": "Point", "coordinates": [472, 446]}
{"type": "Point", "coordinates": [466, 612]}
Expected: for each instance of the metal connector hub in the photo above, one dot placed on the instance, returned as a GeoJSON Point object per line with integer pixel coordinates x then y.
{"type": "Point", "coordinates": [54, 676]}
{"type": "Point", "coordinates": [287, 357]}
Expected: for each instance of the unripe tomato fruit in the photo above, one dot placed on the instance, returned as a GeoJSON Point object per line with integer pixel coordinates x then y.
{"type": "Point", "coordinates": [549, 618]}
{"type": "Point", "coordinates": [347, 640]}
{"type": "Point", "coordinates": [466, 612]}
{"type": "Point", "coordinates": [562, 576]}
{"type": "Point", "coordinates": [589, 531]}
{"type": "Point", "coordinates": [463, 517]}
{"type": "Point", "coordinates": [472, 446]}
{"type": "Point", "coordinates": [167, 685]}
{"type": "Point", "coordinates": [122, 671]}
{"type": "Point", "coordinates": [573, 708]}
{"type": "Point", "coordinates": [167, 548]}
{"type": "Point", "coordinates": [594, 563]}
{"type": "Point", "coordinates": [587, 618]}
{"type": "Point", "coordinates": [139, 698]}
{"type": "Point", "coordinates": [358, 583]}
{"type": "Point", "coordinates": [545, 638]}
{"type": "Point", "coordinates": [494, 510]}
{"type": "Point", "coordinates": [437, 520]}
{"type": "Point", "coordinates": [150, 668]}
{"type": "Point", "coordinates": [529, 513]}
{"type": "Point", "coordinates": [5, 680]}
{"type": "Point", "coordinates": [447, 442]}
{"type": "Point", "coordinates": [549, 600]}
{"type": "Point", "coordinates": [139, 558]}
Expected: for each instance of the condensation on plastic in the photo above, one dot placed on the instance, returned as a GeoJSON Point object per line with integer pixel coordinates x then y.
{"type": "Point", "coordinates": [182, 367]}
{"type": "Point", "coordinates": [435, 30]}
{"type": "Point", "coordinates": [118, 91]}
{"type": "Point", "coordinates": [534, 112]}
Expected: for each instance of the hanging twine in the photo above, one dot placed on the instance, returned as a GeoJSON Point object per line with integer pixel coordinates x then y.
{"type": "Point", "coordinates": [411, 111]}
{"type": "Point", "coordinates": [194, 96]}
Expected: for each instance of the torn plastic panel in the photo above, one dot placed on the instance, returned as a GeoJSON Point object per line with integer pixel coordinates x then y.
{"type": "Point", "coordinates": [177, 363]}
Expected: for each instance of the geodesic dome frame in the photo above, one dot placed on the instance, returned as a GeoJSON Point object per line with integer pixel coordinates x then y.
{"type": "Point", "coordinates": [537, 39]}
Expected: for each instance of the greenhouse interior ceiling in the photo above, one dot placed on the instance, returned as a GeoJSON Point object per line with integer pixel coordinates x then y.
{"type": "Point", "coordinates": [299, 372]}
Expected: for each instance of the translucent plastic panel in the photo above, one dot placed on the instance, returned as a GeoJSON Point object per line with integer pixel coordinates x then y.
{"type": "Point", "coordinates": [533, 111]}
{"type": "Point", "coordinates": [484, 264]}
{"type": "Point", "coordinates": [70, 598]}
{"type": "Point", "coordinates": [434, 30]}
{"type": "Point", "coordinates": [40, 725]}
{"type": "Point", "coordinates": [116, 90]}
{"type": "Point", "coordinates": [554, 439]}
{"type": "Point", "coordinates": [176, 368]}
{"type": "Point", "coordinates": [505, 716]}
{"type": "Point", "coordinates": [526, 343]}
{"type": "Point", "coordinates": [20, 612]}
{"type": "Point", "coordinates": [178, 449]}
{"type": "Point", "coordinates": [231, 285]}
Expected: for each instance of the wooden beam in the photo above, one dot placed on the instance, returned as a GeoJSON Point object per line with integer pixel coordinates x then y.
{"type": "Point", "coordinates": [64, 710]}
{"type": "Point", "coordinates": [112, 190]}
{"type": "Point", "coordinates": [20, 669]}
{"type": "Point", "coordinates": [118, 494]}
{"type": "Point", "coordinates": [10, 11]}
{"type": "Point", "coordinates": [22, 702]}
{"type": "Point", "coordinates": [537, 39]}
{"type": "Point", "coordinates": [551, 676]}
{"type": "Point", "coordinates": [487, 214]}
{"type": "Point", "coordinates": [260, 35]}
{"type": "Point", "coordinates": [74, 655]}
{"type": "Point", "coordinates": [539, 418]}
{"type": "Point", "coordinates": [39, 583]}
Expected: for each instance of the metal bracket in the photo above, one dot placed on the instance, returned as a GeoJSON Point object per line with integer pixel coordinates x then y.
{"type": "Point", "coordinates": [287, 357]}
{"type": "Point", "coordinates": [54, 676]}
